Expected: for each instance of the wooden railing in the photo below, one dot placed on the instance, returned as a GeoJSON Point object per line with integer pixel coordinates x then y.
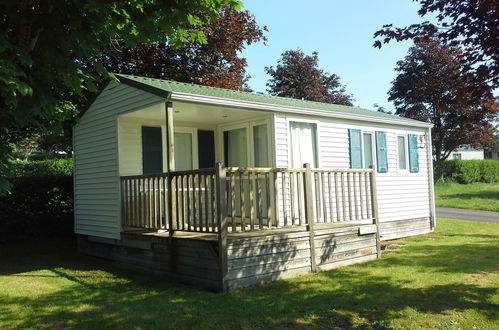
{"type": "Point", "coordinates": [265, 198]}
{"type": "Point", "coordinates": [144, 202]}
{"type": "Point", "coordinates": [247, 199]}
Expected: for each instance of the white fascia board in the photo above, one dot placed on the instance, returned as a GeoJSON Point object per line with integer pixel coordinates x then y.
{"type": "Point", "coordinates": [177, 96]}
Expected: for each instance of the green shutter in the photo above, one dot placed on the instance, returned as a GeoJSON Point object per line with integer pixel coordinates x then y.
{"type": "Point", "coordinates": [152, 153]}
{"type": "Point", "coordinates": [355, 148]}
{"type": "Point", "coordinates": [381, 152]}
{"type": "Point", "coordinates": [413, 153]}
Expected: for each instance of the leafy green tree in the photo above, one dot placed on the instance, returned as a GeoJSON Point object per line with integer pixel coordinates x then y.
{"type": "Point", "coordinates": [216, 63]}
{"type": "Point", "coordinates": [297, 76]}
{"type": "Point", "coordinates": [43, 43]}
{"type": "Point", "coordinates": [431, 87]}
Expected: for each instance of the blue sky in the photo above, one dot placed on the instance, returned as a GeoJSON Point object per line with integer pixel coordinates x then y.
{"type": "Point", "coordinates": [342, 33]}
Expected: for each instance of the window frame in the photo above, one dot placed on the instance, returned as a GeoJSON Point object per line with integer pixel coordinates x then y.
{"type": "Point", "coordinates": [406, 153]}
{"type": "Point", "coordinates": [194, 143]}
{"type": "Point", "coordinates": [250, 145]}
{"type": "Point", "coordinates": [373, 150]}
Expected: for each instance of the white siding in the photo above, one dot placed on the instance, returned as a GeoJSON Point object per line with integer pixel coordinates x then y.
{"type": "Point", "coordinates": [97, 193]}
{"type": "Point", "coordinates": [467, 154]}
{"type": "Point", "coordinates": [401, 195]}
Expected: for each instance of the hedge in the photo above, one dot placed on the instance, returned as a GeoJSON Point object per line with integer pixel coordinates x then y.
{"type": "Point", "coordinates": [37, 207]}
{"type": "Point", "coordinates": [48, 167]}
{"type": "Point", "coordinates": [467, 171]}
{"type": "Point", "coordinates": [40, 203]}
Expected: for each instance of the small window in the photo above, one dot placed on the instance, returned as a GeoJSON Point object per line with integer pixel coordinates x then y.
{"type": "Point", "coordinates": [402, 158]}
{"type": "Point", "coordinates": [261, 146]}
{"type": "Point", "coordinates": [413, 153]}
{"type": "Point", "coordinates": [368, 150]}
{"type": "Point", "coordinates": [355, 148]}
{"type": "Point", "coordinates": [456, 156]}
{"type": "Point", "coordinates": [381, 152]}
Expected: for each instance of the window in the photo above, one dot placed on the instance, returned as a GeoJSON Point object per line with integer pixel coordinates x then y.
{"type": "Point", "coordinates": [235, 147]}
{"type": "Point", "coordinates": [261, 145]}
{"type": "Point", "coordinates": [246, 144]}
{"type": "Point", "coordinates": [456, 156]}
{"type": "Point", "coordinates": [368, 150]}
{"type": "Point", "coordinates": [413, 153]}
{"type": "Point", "coordinates": [381, 152]}
{"type": "Point", "coordinates": [401, 147]}
{"type": "Point", "coordinates": [355, 148]}
{"type": "Point", "coordinates": [183, 151]}
{"type": "Point", "coordinates": [303, 144]}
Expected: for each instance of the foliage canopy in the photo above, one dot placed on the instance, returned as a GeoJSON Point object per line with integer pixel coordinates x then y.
{"type": "Point", "coordinates": [297, 75]}
{"type": "Point", "coordinates": [431, 87]}
{"type": "Point", "coordinates": [470, 25]}
{"type": "Point", "coordinates": [43, 44]}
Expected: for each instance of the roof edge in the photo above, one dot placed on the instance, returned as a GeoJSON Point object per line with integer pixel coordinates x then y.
{"type": "Point", "coordinates": [145, 87]}
{"type": "Point", "coordinates": [180, 96]}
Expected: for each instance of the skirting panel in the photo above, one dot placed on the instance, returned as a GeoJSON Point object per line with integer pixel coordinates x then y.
{"type": "Point", "coordinates": [404, 228]}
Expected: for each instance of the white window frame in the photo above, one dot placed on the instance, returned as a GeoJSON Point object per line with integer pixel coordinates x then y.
{"type": "Point", "coordinates": [406, 152]}
{"type": "Point", "coordinates": [317, 139]}
{"type": "Point", "coordinates": [250, 147]}
{"type": "Point", "coordinates": [194, 147]}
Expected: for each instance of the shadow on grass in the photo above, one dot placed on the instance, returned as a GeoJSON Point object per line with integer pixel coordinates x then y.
{"type": "Point", "coordinates": [485, 194]}
{"type": "Point", "coordinates": [97, 295]}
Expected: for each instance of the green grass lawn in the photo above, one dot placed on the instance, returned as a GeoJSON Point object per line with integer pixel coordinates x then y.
{"type": "Point", "coordinates": [477, 196]}
{"type": "Point", "coordinates": [444, 280]}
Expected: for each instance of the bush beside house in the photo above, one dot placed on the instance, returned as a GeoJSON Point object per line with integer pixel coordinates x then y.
{"type": "Point", "coordinates": [40, 203]}
{"type": "Point", "coordinates": [467, 171]}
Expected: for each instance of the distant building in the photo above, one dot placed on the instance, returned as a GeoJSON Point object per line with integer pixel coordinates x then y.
{"type": "Point", "coordinates": [491, 154]}
{"type": "Point", "coordinates": [466, 153]}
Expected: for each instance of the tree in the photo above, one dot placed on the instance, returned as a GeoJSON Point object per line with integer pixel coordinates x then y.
{"type": "Point", "coordinates": [215, 63]}
{"type": "Point", "coordinates": [381, 109]}
{"type": "Point", "coordinates": [431, 87]}
{"type": "Point", "coordinates": [470, 25]}
{"type": "Point", "coordinates": [297, 76]}
{"type": "Point", "coordinates": [42, 45]}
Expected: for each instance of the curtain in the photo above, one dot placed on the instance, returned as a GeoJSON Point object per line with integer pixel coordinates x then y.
{"type": "Point", "coordinates": [183, 151]}
{"type": "Point", "coordinates": [237, 149]}
{"type": "Point", "coordinates": [261, 142]}
{"type": "Point", "coordinates": [368, 151]}
{"type": "Point", "coordinates": [303, 144]}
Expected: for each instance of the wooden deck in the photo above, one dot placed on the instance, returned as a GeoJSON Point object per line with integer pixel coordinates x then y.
{"type": "Point", "coordinates": [226, 228]}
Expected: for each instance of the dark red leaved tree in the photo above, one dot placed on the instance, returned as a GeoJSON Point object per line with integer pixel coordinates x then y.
{"type": "Point", "coordinates": [430, 86]}
{"type": "Point", "coordinates": [297, 76]}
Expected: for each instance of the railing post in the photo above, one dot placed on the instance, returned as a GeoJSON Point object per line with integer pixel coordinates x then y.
{"type": "Point", "coordinates": [374, 202]}
{"type": "Point", "coordinates": [309, 214]}
{"type": "Point", "coordinates": [171, 207]}
{"type": "Point", "coordinates": [221, 183]}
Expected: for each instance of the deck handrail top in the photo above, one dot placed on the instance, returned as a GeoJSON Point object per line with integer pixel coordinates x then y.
{"type": "Point", "coordinates": [248, 169]}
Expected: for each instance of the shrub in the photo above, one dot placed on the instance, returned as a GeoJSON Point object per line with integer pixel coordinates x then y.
{"type": "Point", "coordinates": [37, 156]}
{"type": "Point", "coordinates": [489, 170]}
{"type": "Point", "coordinates": [48, 167]}
{"type": "Point", "coordinates": [40, 202]}
{"type": "Point", "coordinates": [37, 207]}
{"type": "Point", "coordinates": [467, 171]}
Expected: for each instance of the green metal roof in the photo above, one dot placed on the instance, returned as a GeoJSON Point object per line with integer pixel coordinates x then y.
{"type": "Point", "coordinates": [164, 87]}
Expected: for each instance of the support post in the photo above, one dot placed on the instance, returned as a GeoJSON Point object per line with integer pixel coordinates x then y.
{"type": "Point", "coordinates": [431, 189]}
{"type": "Point", "coordinates": [309, 214]}
{"type": "Point", "coordinates": [170, 165]}
{"type": "Point", "coordinates": [221, 183]}
{"type": "Point", "coordinates": [374, 203]}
